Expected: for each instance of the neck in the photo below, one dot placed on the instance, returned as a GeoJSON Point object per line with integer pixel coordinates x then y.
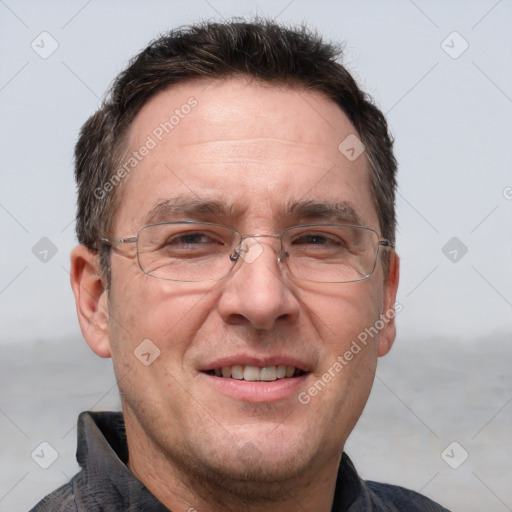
{"type": "Point", "coordinates": [181, 483]}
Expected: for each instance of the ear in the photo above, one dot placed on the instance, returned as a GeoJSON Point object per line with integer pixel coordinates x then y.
{"type": "Point", "coordinates": [388, 332]}
{"type": "Point", "coordinates": [91, 299]}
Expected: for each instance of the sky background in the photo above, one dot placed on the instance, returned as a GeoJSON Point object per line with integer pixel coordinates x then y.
{"type": "Point", "coordinates": [441, 71]}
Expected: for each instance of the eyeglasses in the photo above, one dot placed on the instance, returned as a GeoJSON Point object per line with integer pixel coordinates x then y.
{"type": "Point", "coordinates": [190, 251]}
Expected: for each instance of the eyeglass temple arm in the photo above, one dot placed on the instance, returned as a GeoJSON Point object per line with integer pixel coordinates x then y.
{"type": "Point", "coordinates": [129, 240]}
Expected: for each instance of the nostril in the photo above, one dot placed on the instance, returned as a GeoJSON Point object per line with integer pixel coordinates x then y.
{"type": "Point", "coordinates": [284, 317]}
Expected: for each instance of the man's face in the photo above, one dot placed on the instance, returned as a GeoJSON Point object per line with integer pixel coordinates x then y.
{"type": "Point", "coordinates": [254, 149]}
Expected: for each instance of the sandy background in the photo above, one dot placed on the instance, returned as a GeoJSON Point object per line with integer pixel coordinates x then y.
{"type": "Point", "coordinates": [426, 395]}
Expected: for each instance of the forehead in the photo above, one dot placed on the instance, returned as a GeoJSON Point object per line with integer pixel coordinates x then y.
{"type": "Point", "coordinates": [255, 147]}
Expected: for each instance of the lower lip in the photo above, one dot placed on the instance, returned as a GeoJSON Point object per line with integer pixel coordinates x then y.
{"type": "Point", "coordinates": [258, 391]}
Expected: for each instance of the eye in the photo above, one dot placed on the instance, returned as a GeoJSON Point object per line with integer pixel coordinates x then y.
{"type": "Point", "coordinates": [195, 238]}
{"type": "Point", "coordinates": [323, 240]}
{"type": "Point", "coordinates": [328, 243]}
{"type": "Point", "coordinates": [315, 239]}
{"type": "Point", "coordinates": [197, 243]}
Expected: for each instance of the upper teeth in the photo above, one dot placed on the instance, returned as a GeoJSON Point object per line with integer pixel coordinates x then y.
{"type": "Point", "coordinates": [248, 372]}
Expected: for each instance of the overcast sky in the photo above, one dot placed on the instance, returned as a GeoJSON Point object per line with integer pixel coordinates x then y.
{"type": "Point", "coordinates": [442, 71]}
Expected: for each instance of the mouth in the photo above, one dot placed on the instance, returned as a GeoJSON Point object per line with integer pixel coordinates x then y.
{"type": "Point", "coordinates": [256, 379]}
{"type": "Point", "coordinates": [256, 373]}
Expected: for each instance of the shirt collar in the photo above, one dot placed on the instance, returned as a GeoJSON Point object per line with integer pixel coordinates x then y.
{"type": "Point", "coordinates": [103, 453]}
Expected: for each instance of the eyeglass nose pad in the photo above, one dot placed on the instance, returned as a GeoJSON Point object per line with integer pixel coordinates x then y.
{"type": "Point", "coordinates": [283, 256]}
{"type": "Point", "coordinates": [235, 254]}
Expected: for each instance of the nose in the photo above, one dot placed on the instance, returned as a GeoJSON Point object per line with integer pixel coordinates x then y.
{"type": "Point", "coordinates": [256, 293]}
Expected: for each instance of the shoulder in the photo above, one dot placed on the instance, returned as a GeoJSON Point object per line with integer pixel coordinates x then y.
{"type": "Point", "coordinates": [390, 498]}
{"type": "Point", "coordinates": [60, 500]}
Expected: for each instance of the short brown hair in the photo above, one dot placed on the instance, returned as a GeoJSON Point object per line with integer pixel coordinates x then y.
{"type": "Point", "coordinates": [260, 49]}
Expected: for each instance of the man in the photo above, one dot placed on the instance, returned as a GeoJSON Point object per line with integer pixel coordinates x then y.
{"type": "Point", "coordinates": [236, 226]}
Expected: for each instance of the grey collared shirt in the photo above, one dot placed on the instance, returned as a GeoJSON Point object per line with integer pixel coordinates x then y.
{"type": "Point", "coordinates": [106, 484]}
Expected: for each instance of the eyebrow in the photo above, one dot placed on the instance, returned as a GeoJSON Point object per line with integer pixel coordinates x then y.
{"type": "Point", "coordinates": [180, 205]}
{"type": "Point", "coordinates": [340, 211]}
{"type": "Point", "coordinates": [170, 208]}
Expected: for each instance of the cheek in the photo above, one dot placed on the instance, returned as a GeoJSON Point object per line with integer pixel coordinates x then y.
{"type": "Point", "coordinates": [344, 319]}
{"type": "Point", "coordinates": [152, 325]}
{"type": "Point", "coordinates": [342, 312]}
{"type": "Point", "coordinates": [167, 313]}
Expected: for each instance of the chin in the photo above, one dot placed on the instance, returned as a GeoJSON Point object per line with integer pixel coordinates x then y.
{"type": "Point", "coordinates": [263, 457]}
{"type": "Point", "coordinates": [253, 475]}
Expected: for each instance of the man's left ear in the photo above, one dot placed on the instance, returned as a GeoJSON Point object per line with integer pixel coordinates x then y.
{"type": "Point", "coordinates": [388, 332]}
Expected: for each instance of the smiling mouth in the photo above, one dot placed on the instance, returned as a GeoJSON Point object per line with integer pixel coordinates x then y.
{"type": "Point", "coordinates": [255, 373]}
